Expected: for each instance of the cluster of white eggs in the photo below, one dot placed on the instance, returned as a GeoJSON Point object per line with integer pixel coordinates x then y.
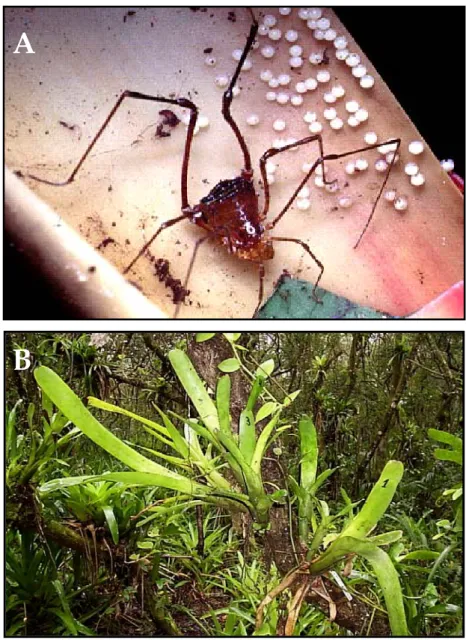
{"type": "Point", "coordinates": [281, 90]}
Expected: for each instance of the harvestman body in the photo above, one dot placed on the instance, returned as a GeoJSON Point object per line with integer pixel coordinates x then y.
{"type": "Point", "coordinates": [230, 213]}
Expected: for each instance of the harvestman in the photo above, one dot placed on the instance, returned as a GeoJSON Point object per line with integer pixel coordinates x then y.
{"type": "Point", "coordinates": [230, 212]}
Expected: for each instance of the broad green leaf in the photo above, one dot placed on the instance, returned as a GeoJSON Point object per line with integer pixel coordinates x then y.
{"type": "Point", "coordinates": [263, 442]}
{"type": "Point", "coordinates": [443, 523]}
{"type": "Point", "coordinates": [252, 478]}
{"type": "Point", "coordinates": [266, 410]}
{"type": "Point", "coordinates": [30, 414]}
{"type": "Point", "coordinates": [345, 496]}
{"type": "Point", "coordinates": [309, 452]}
{"type": "Point", "coordinates": [447, 438]}
{"type": "Point", "coordinates": [291, 397]}
{"type": "Point", "coordinates": [384, 570]}
{"type": "Point", "coordinates": [230, 365]}
{"type": "Point", "coordinates": [255, 392]}
{"type": "Point", "coordinates": [179, 462]}
{"type": "Point", "coordinates": [47, 405]}
{"type": "Point", "coordinates": [450, 456]}
{"type": "Point", "coordinates": [420, 554]}
{"type": "Point", "coordinates": [145, 544]}
{"type": "Point", "coordinates": [195, 388]}
{"type": "Point", "coordinates": [223, 403]}
{"type": "Point", "coordinates": [194, 448]}
{"type": "Point", "coordinates": [176, 483]}
{"type": "Point", "coordinates": [266, 368]}
{"type": "Point", "coordinates": [377, 501]}
{"type": "Point", "coordinates": [280, 496]}
{"type": "Point", "coordinates": [179, 442]}
{"type": "Point", "coordinates": [112, 523]}
{"type": "Point", "coordinates": [72, 407]}
{"type": "Point", "coordinates": [232, 337]}
{"type": "Point", "coordinates": [321, 478]}
{"type": "Point", "coordinates": [297, 490]}
{"type": "Point", "coordinates": [386, 538]}
{"type": "Point", "coordinates": [11, 437]}
{"type": "Point", "coordinates": [203, 337]}
{"type": "Point", "coordinates": [247, 434]}
{"type": "Point", "coordinates": [106, 406]}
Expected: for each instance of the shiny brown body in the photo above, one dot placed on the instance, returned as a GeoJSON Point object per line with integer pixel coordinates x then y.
{"type": "Point", "coordinates": [230, 213]}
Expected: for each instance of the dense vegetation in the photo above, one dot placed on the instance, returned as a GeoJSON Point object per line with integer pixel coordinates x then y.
{"type": "Point", "coordinates": [232, 484]}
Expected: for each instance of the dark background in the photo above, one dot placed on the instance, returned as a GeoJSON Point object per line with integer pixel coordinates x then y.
{"type": "Point", "coordinates": [420, 54]}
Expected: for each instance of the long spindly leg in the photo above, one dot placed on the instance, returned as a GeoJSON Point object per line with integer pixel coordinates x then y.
{"type": "Point", "coordinates": [180, 102]}
{"type": "Point", "coordinates": [190, 268]}
{"type": "Point", "coordinates": [228, 97]}
{"type": "Point", "coordinates": [321, 160]}
{"type": "Point", "coordinates": [261, 286]}
{"type": "Point", "coordinates": [379, 195]}
{"type": "Point", "coordinates": [164, 225]}
{"type": "Point", "coordinates": [316, 260]}
{"type": "Point", "coordinates": [273, 152]}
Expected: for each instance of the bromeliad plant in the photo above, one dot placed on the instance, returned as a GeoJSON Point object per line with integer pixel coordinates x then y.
{"type": "Point", "coordinates": [352, 540]}
{"type": "Point", "coordinates": [31, 452]}
{"type": "Point", "coordinates": [101, 502]}
{"type": "Point", "coordinates": [208, 444]}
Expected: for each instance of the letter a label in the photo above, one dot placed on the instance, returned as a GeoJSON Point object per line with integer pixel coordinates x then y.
{"type": "Point", "coordinates": [24, 44]}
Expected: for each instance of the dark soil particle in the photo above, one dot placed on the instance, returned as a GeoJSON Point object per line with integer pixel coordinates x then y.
{"type": "Point", "coordinates": [162, 271]}
{"type": "Point", "coordinates": [105, 242]}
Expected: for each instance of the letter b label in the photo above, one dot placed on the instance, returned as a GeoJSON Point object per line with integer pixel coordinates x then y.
{"type": "Point", "coordinates": [22, 359]}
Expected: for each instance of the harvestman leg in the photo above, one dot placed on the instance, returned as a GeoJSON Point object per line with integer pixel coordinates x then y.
{"type": "Point", "coordinates": [228, 98]}
{"type": "Point", "coordinates": [190, 268]}
{"type": "Point", "coordinates": [180, 102]}
{"type": "Point", "coordinates": [320, 161]}
{"type": "Point", "coordinates": [263, 161]}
